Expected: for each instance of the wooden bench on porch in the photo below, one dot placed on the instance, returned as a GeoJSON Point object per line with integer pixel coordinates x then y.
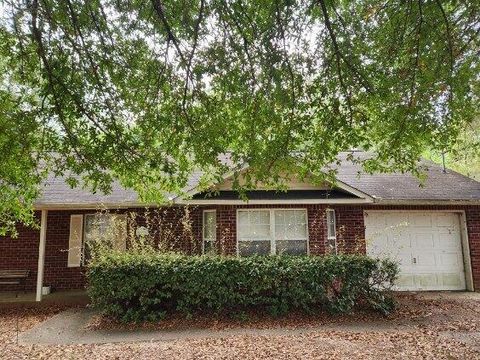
{"type": "Point", "coordinates": [14, 277]}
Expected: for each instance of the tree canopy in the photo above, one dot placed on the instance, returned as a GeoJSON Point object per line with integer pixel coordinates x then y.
{"type": "Point", "coordinates": [146, 91]}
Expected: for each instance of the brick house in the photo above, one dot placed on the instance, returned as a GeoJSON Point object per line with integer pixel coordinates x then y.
{"type": "Point", "coordinates": [431, 229]}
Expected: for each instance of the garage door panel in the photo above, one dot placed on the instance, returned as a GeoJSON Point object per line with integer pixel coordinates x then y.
{"type": "Point", "coordinates": [450, 260]}
{"type": "Point", "coordinates": [406, 281]}
{"type": "Point", "coordinates": [426, 245]}
{"type": "Point", "coordinates": [447, 241]}
{"type": "Point", "coordinates": [454, 280]}
{"type": "Point", "coordinates": [425, 259]}
{"type": "Point", "coordinates": [400, 242]}
{"type": "Point", "coordinates": [404, 260]}
{"type": "Point", "coordinates": [397, 220]}
{"type": "Point", "coordinates": [446, 220]}
{"type": "Point", "coordinates": [423, 241]}
{"type": "Point", "coordinates": [421, 220]}
{"type": "Point", "coordinates": [426, 281]}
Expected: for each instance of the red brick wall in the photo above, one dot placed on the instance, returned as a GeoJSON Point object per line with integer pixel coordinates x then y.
{"type": "Point", "coordinates": [176, 233]}
{"type": "Point", "coordinates": [350, 229]}
{"type": "Point", "coordinates": [317, 229]}
{"type": "Point", "coordinates": [472, 215]}
{"type": "Point", "coordinates": [22, 253]}
{"type": "Point", "coordinates": [56, 273]}
{"type": "Point", "coordinates": [173, 228]}
{"type": "Point", "coordinates": [226, 229]}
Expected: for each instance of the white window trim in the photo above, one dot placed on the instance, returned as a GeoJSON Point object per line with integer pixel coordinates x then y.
{"type": "Point", "coordinates": [272, 227]}
{"type": "Point", "coordinates": [330, 237]}
{"type": "Point", "coordinates": [214, 240]}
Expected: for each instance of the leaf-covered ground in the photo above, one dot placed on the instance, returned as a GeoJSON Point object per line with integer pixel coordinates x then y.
{"type": "Point", "coordinates": [422, 328]}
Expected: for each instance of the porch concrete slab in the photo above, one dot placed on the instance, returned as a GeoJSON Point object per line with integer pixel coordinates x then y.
{"type": "Point", "coordinates": [72, 297]}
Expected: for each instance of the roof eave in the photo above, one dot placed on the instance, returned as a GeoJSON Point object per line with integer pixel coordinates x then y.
{"type": "Point", "coordinates": [272, 201]}
{"type": "Point", "coordinates": [92, 206]}
{"type": "Point", "coordinates": [473, 202]}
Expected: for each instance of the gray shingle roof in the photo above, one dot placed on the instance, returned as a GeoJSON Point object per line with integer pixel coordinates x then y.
{"type": "Point", "coordinates": [56, 192]}
{"type": "Point", "coordinates": [439, 186]}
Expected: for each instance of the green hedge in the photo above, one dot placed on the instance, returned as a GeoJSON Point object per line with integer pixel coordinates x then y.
{"type": "Point", "coordinates": [134, 287]}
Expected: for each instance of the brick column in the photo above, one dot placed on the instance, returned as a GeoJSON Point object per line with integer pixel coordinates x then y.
{"type": "Point", "coordinates": [316, 229]}
{"type": "Point", "coordinates": [350, 230]}
{"type": "Point", "coordinates": [226, 229]}
{"type": "Point", "coordinates": [473, 227]}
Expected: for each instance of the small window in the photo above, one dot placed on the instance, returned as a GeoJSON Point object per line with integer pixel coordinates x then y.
{"type": "Point", "coordinates": [331, 231]}
{"type": "Point", "coordinates": [110, 229]}
{"type": "Point", "coordinates": [209, 231]}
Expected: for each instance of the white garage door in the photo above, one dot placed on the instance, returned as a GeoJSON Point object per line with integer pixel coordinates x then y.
{"type": "Point", "coordinates": [427, 246]}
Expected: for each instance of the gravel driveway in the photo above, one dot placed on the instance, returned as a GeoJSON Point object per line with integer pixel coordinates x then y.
{"type": "Point", "coordinates": [436, 326]}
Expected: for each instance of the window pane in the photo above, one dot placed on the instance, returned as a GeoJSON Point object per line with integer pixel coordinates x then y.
{"type": "Point", "coordinates": [104, 228]}
{"type": "Point", "coordinates": [243, 219]}
{"type": "Point", "coordinates": [260, 217]}
{"type": "Point", "coordinates": [280, 231]}
{"type": "Point", "coordinates": [291, 247]}
{"type": "Point", "coordinates": [209, 225]}
{"type": "Point", "coordinates": [248, 248]}
{"type": "Point", "coordinates": [254, 225]}
{"type": "Point", "coordinates": [96, 226]}
{"type": "Point", "coordinates": [301, 216]}
{"type": "Point", "coordinates": [332, 245]}
{"type": "Point", "coordinates": [290, 224]}
{"type": "Point", "coordinates": [208, 247]}
{"type": "Point", "coordinates": [331, 228]}
{"type": "Point", "coordinates": [295, 231]}
{"type": "Point", "coordinates": [260, 231]}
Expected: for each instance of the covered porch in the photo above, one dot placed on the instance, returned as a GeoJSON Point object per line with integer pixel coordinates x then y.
{"type": "Point", "coordinates": [38, 258]}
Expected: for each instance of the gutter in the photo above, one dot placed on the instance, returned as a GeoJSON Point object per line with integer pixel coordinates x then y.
{"type": "Point", "coordinates": [413, 202]}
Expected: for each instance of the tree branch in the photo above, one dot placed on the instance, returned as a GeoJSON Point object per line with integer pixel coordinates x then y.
{"type": "Point", "coordinates": [158, 7]}
{"type": "Point", "coordinates": [363, 81]}
{"type": "Point", "coordinates": [338, 57]}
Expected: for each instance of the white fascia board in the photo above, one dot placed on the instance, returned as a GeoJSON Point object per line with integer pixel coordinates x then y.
{"type": "Point", "coordinates": [352, 190]}
{"type": "Point", "coordinates": [194, 190]}
{"type": "Point", "coordinates": [379, 201]}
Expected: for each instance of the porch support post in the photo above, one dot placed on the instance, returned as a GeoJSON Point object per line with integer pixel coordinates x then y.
{"type": "Point", "coordinates": [41, 254]}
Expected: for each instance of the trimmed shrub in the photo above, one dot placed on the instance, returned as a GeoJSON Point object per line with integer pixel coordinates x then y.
{"type": "Point", "coordinates": [134, 287]}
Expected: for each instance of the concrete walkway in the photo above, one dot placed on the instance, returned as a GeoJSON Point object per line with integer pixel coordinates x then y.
{"type": "Point", "coordinates": [68, 328]}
